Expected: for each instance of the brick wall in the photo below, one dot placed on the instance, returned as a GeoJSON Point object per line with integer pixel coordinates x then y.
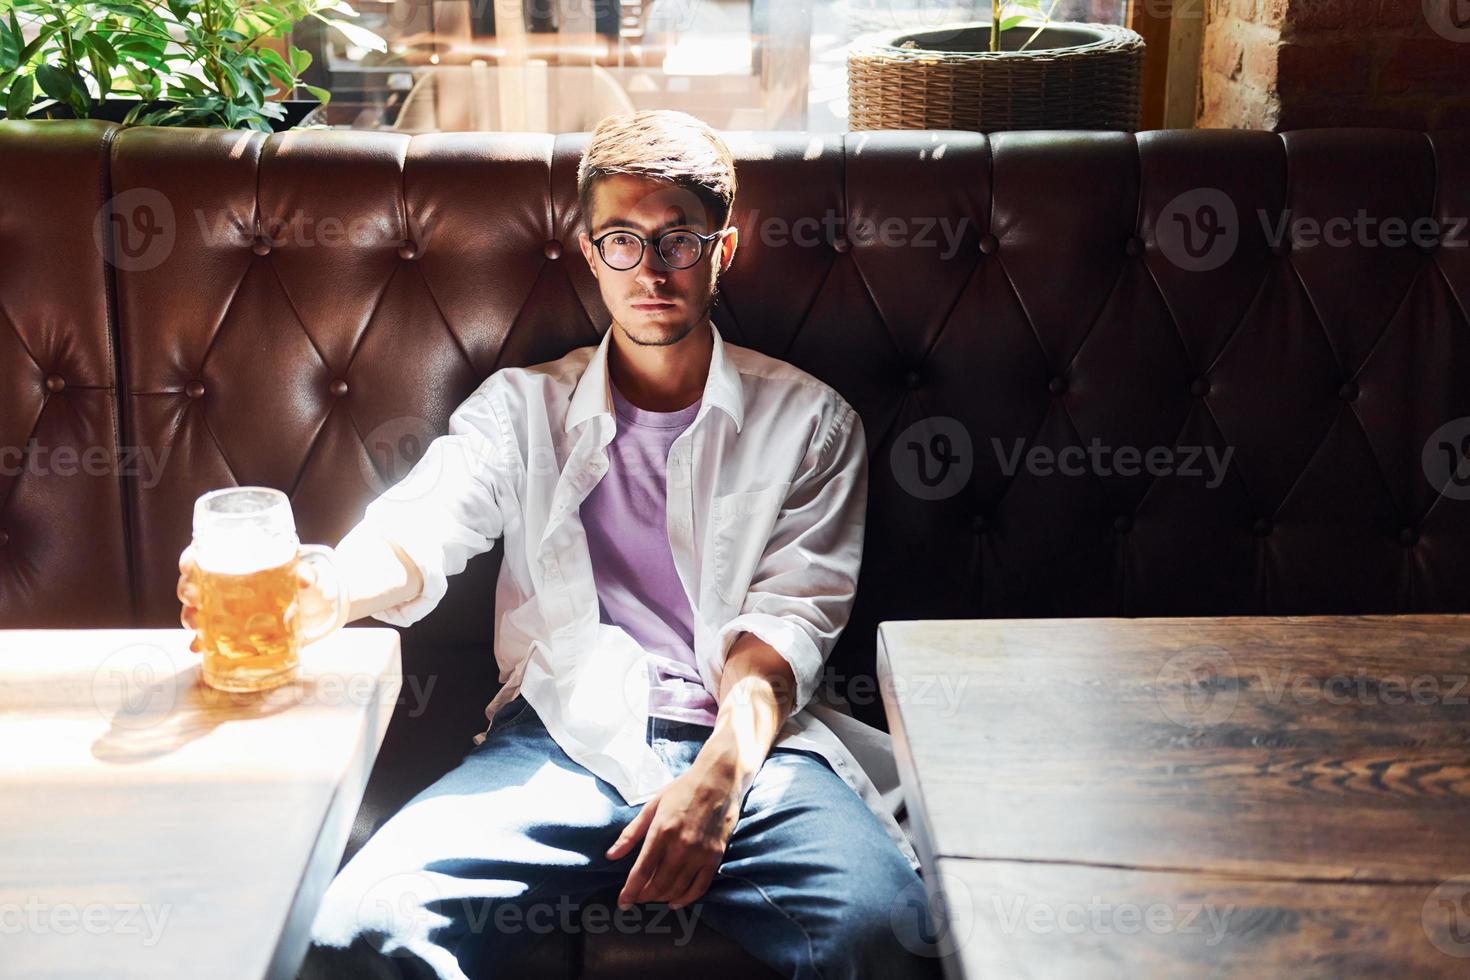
{"type": "Point", "coordinates": [1291, 64]}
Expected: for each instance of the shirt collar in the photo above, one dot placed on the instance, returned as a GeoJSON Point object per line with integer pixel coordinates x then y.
{"type": "Point", "coordinates": [593, 395]}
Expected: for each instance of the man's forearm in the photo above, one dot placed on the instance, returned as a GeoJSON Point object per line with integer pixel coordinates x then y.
{"type": "Point", "coordinates": [757, 691]}
{"type": "Point", "coordinates": [379, 573]}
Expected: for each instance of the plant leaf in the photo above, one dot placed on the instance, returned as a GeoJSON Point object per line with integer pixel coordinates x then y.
{"type": "Point", "coordinates": [1007, 23]}
{"type": "Point", "coordinates": [101, 70]}
{"type": "Point", "coordinates": [321, 94]}
{"type": "Point", "coordinates": [9, 47]}
{"type": "Point", "coordinates": [22, 94]}
{"type": "Point", "coordinates": [29, 51]}
{"type": "Point", "coordinates": [54, 82]}
{"type": "Point", "coordinates": [103, 47]}
{"type": "Point", "coordinates": [300, 60]}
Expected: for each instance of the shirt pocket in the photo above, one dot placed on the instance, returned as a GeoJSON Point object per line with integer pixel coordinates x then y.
{"type": "Point", "coordinates": [742, 525]}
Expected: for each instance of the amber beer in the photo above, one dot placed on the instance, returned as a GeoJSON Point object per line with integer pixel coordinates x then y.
{"type": "Point", "coordinates": [250, 622]}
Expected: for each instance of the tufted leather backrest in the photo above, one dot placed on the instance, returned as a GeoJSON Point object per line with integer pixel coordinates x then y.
{"type": "Point", "coordinates": [985, 302]}
{"type": "Point", "coordinates": [63, 548]}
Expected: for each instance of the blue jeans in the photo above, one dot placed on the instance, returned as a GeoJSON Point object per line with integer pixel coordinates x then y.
{"type": "Point", "coordinates": [503, 849]}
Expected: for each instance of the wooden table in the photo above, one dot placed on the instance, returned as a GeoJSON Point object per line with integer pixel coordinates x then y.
{"type": "Point", "coordinates": [153, 827]}
{"type": "Point", "coordinates": [1189, 797]}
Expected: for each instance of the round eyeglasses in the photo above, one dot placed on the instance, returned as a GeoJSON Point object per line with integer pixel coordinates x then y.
{"type": "Point", "coordinates": [623, 250]}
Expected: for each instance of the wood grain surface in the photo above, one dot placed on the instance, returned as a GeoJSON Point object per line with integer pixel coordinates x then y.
{"type": "Point", "coordinates": [1326, 759]}
{"type": "Point", "coordinates": [153, 827]}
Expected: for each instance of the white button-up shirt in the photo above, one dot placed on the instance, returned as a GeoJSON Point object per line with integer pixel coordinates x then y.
{"type": "Point", "coordinates": [767, 491]}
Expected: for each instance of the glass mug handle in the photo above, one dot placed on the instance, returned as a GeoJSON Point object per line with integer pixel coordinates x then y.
{"type": "Point", "coordinates": [318, 555]}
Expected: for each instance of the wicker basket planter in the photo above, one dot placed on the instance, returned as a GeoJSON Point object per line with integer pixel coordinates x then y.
{"type": "Point", "coordinates": [1073, 76]}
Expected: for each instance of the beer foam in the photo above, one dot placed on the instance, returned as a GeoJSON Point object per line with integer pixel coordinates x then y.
{"type": "Point", "coordinates": [241, 554]}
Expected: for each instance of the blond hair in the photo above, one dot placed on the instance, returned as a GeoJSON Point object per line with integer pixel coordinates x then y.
{"type": "Point", "coordinates": [665, 145]}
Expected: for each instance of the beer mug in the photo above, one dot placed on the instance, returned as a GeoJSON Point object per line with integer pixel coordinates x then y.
{"type": "Point", "coordinates": [246, 555]}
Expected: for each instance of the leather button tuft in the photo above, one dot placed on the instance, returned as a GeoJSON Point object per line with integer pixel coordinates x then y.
{"type": "Point", "coordinates": [1408, 537]}
{"type": "Point", "coordinates": [338, 387]}
{"type": "Point", "coordinates": [911, 379]}
{"type": "Point", "coordinates": [552, 250]}
{"type": "Point", "coordinates": [1199, 387]}
{"type": "Point", "coordinates": [408, 251]}
{"type": "Point", "coordinates": [1262, 527]}
{"type": "Point", "coordinates": [989, 244]}
{"type": "Point", "coordinates": [1134, 246]}
{"type": "Point", "coordinates": [1122, 524]}
{"type": "Point", "coordinates": [3, 538]}
{"type": "Point", "coordinates": [260, 247]}
{"type": "Point", "coordinates": [977, 524]}
{"type": "Point", "coordinates": [194, 389]}
{"type": "Point", "coordinates": [1057, 385]}
{"type": "Point", "coordinates": [55, 382]}
{"type": "Point", "coordinates": [1348, 391]}
{"type": "Point", "coordinates": [841, 244]}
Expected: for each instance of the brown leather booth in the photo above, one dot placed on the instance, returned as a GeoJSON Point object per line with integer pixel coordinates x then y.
{"type": "Point", "coordinates": [196, 309]}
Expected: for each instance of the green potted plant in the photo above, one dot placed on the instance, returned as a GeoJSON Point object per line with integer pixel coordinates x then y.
{"type": "Point", "coordinates": [163, 62]}
{"type": "Point", "coordinates": [1016, 71]}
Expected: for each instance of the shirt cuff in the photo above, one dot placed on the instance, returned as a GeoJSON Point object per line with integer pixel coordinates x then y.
{"type": "Point", "coordinates": [787, 639]}
{"type": "Point", "coordinates": [436, 583]}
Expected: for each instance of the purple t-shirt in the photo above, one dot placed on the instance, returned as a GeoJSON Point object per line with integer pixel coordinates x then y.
{"type": "Point", "coordinates": [638, 588]}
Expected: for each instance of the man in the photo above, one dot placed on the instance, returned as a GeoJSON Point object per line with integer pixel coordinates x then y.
{"type": "Point", "coordinates": [683, 524]}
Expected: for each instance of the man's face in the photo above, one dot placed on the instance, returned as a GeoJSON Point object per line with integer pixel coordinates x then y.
{"type": "Point", "coordinates": [655, 304]}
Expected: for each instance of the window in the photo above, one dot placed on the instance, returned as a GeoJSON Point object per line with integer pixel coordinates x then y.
{"type": "Point", "coordinates": [560, 65]}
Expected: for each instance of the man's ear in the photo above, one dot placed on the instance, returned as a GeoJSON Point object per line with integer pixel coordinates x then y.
{"type": "Point", "coordinates": [588, 250]}
{"type": "Point", "coordinates": [728, 244]}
